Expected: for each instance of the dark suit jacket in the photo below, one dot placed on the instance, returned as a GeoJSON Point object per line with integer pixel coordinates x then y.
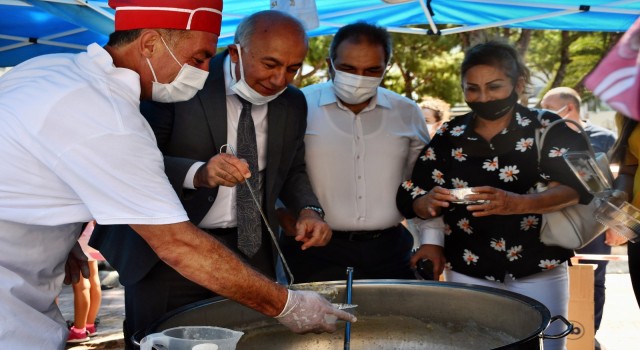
{"type": "Point", "coordinates": [194, 131]}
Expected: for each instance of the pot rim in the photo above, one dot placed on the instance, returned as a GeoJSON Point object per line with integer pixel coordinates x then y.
{"type": "Point", "coordinates": [533, 303]}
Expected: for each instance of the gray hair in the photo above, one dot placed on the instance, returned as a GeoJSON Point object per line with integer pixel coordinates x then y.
{"type": "Point", "coordinates": [248, 25]}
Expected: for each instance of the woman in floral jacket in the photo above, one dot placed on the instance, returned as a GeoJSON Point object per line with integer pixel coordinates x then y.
{"type": "Point", "coordinates": [492, 238]}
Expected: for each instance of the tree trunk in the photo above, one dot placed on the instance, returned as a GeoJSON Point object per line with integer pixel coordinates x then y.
{"type": "Point", "coordinates": [565, 59]}
{"type": "Point", "coordinates": [408, 80]}
{"type": "Point", "coordinates": [522, 46]}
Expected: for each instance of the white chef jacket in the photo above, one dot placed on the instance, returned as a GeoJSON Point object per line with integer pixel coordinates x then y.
{"type": "Point", "coordinates": [357, 161]}
{"type": "Point", "coordinates": [74, 146]}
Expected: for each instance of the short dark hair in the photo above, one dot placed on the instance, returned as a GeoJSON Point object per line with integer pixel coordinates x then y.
{"type": "Point", "coordinates": [499, 55]}
{"type": "Point", "coordinates": [362, 31]}
{"type": "Point", "coordinates": [124, 37]}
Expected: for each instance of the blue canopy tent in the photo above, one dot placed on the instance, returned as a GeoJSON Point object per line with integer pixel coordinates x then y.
{"type": "Point", "coordinates": [30, 28]}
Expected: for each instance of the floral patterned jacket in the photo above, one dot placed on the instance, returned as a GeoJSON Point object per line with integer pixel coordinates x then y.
{"type": "Point", "coordinates": [495, 246]}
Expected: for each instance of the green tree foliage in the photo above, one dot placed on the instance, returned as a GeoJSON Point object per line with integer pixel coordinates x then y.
{"type": "Point", "coordinates": [315, 70]}
{"type": "Point", "coordinates": [425, 65]}
{"type": "Point", "coordinates": [563, 58]}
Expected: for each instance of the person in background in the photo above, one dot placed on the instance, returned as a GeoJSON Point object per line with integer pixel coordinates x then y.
{"type": "Point", "coordinates": [626, 152]}
{"type": "Point", "coordinates": [492, 238]}
{"type": "Point", "coordinates": [436, 112]}
{"type": "Point", "coordinates": [361, 141]}
{"type": "Point", "coordinates": [269, 49]}
{"type": "Point", "coordinates": [87, 293]}
{"type": "Point", "coordinates": [84, 152]}
{"type": "Point", "coordinates": [566, 102]}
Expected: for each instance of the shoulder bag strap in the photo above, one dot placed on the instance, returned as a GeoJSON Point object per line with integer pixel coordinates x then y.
{"type": "Point", "coordinates": [541, 134]}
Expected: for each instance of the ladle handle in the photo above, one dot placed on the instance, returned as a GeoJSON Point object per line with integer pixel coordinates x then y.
{"type": "Point", "coordinates": [347, 328]}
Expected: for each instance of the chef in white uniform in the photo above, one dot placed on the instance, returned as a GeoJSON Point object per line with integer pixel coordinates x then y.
{"type": "Point", "coordinates": [74, 147]}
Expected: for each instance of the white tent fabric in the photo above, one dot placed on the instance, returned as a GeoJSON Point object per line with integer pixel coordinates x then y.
{"type": "Point", "coordinates": [33, 27]}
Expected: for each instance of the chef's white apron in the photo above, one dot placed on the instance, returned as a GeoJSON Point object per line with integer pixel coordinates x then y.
{"type": "Point", "coordinates": [32, 260]}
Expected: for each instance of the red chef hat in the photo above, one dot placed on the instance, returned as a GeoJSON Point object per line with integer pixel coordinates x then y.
{"type": "Point", "coordinates": [202, 15]}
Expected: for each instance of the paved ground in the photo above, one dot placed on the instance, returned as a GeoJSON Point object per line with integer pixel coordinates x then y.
{"type": "Point", "coordinates": [109, 332]}
{"type": "Point", "coordinates": [620, 329]}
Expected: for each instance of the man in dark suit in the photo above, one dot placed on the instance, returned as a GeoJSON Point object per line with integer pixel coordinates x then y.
{"type": "Point", "coordinates": [269, 49]}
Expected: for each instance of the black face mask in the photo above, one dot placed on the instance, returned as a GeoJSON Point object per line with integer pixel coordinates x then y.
{"type": "Point", "coordinates": [492, 110]}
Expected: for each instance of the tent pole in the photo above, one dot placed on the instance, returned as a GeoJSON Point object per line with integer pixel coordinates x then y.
{"type": "Point", "coordinates": [96, 9]}
{"type": "Point", "coordinates": [507, 22]}
{"type": "Point", "coordinates": [602, 8]}
{"type": "Point", "coordinates": [427, 13]}
{"type": "Point", "coordinates": [45, 40]}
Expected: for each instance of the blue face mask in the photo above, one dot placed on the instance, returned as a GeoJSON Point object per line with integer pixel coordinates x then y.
{"type": "Point", "coordinates": [245, 91]}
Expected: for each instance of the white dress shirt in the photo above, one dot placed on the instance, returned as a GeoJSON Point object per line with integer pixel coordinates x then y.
{"type": "Point", "coordinates": [356, 162]}
{"type": "Point", "coordinates": [223, 211]}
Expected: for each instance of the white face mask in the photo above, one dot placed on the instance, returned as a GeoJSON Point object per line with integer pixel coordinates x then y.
{"type": "Point", "coordinates": [353, 88]}
{"type": "Point", "coordinates": [187, 83]}
{"type": "Point", "coordinates": [243, 89]}
{"type": "Point", "coordinates": [560, 110]}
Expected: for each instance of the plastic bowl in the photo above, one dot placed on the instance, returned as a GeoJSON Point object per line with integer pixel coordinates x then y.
{"type": "Point", "coordinates": [623, 218]}
{"type": "Point", "coordinates": [461, 193]}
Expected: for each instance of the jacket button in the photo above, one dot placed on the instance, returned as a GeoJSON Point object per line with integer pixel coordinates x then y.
{"type": "Point", "coordinates": [211, 199]}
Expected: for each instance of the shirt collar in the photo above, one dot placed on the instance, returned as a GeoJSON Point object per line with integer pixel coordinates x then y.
{"type": "Point", "coordinates": [128, 78]}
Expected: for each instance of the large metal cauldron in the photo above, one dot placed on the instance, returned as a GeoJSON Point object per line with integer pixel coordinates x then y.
{"type": "Point", "coordinates": [392, 314]}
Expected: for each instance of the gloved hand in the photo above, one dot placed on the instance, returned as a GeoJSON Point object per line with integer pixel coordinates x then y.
{"type": "Point", "coordinates": [308, 311]}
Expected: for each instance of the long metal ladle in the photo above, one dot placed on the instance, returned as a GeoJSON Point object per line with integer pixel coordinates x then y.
{"type": "Point", "coordinates": [347, 328]}
{"type": "Point", "coordinates": [264, 218]}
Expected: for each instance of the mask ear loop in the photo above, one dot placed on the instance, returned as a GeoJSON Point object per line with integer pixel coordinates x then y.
{"type": "Point", "coordinates": [228, 147]}
{"type": "Point", "coordinates": [155, 78]}
{"type": "Point", "coordinates": [171, 53]}
{"type": "Point", "coordinates": [560, 110]}
{"type": "Point", "coordinates": [233, 71]}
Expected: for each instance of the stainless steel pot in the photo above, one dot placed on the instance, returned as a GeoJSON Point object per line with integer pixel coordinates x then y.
{"type": "Point", "coordinates": [392, 314]}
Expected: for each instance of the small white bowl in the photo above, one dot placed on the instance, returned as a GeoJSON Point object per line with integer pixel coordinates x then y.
{"type": "Point", "coordinates": [461, 193]}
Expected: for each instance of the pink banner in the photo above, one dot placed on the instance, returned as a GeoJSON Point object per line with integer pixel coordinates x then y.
{"type": "Point", "coordinates": [616, 79]}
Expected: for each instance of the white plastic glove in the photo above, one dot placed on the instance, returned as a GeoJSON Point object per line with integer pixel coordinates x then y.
{"type": "Point", "coordinates": [308, 311]}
